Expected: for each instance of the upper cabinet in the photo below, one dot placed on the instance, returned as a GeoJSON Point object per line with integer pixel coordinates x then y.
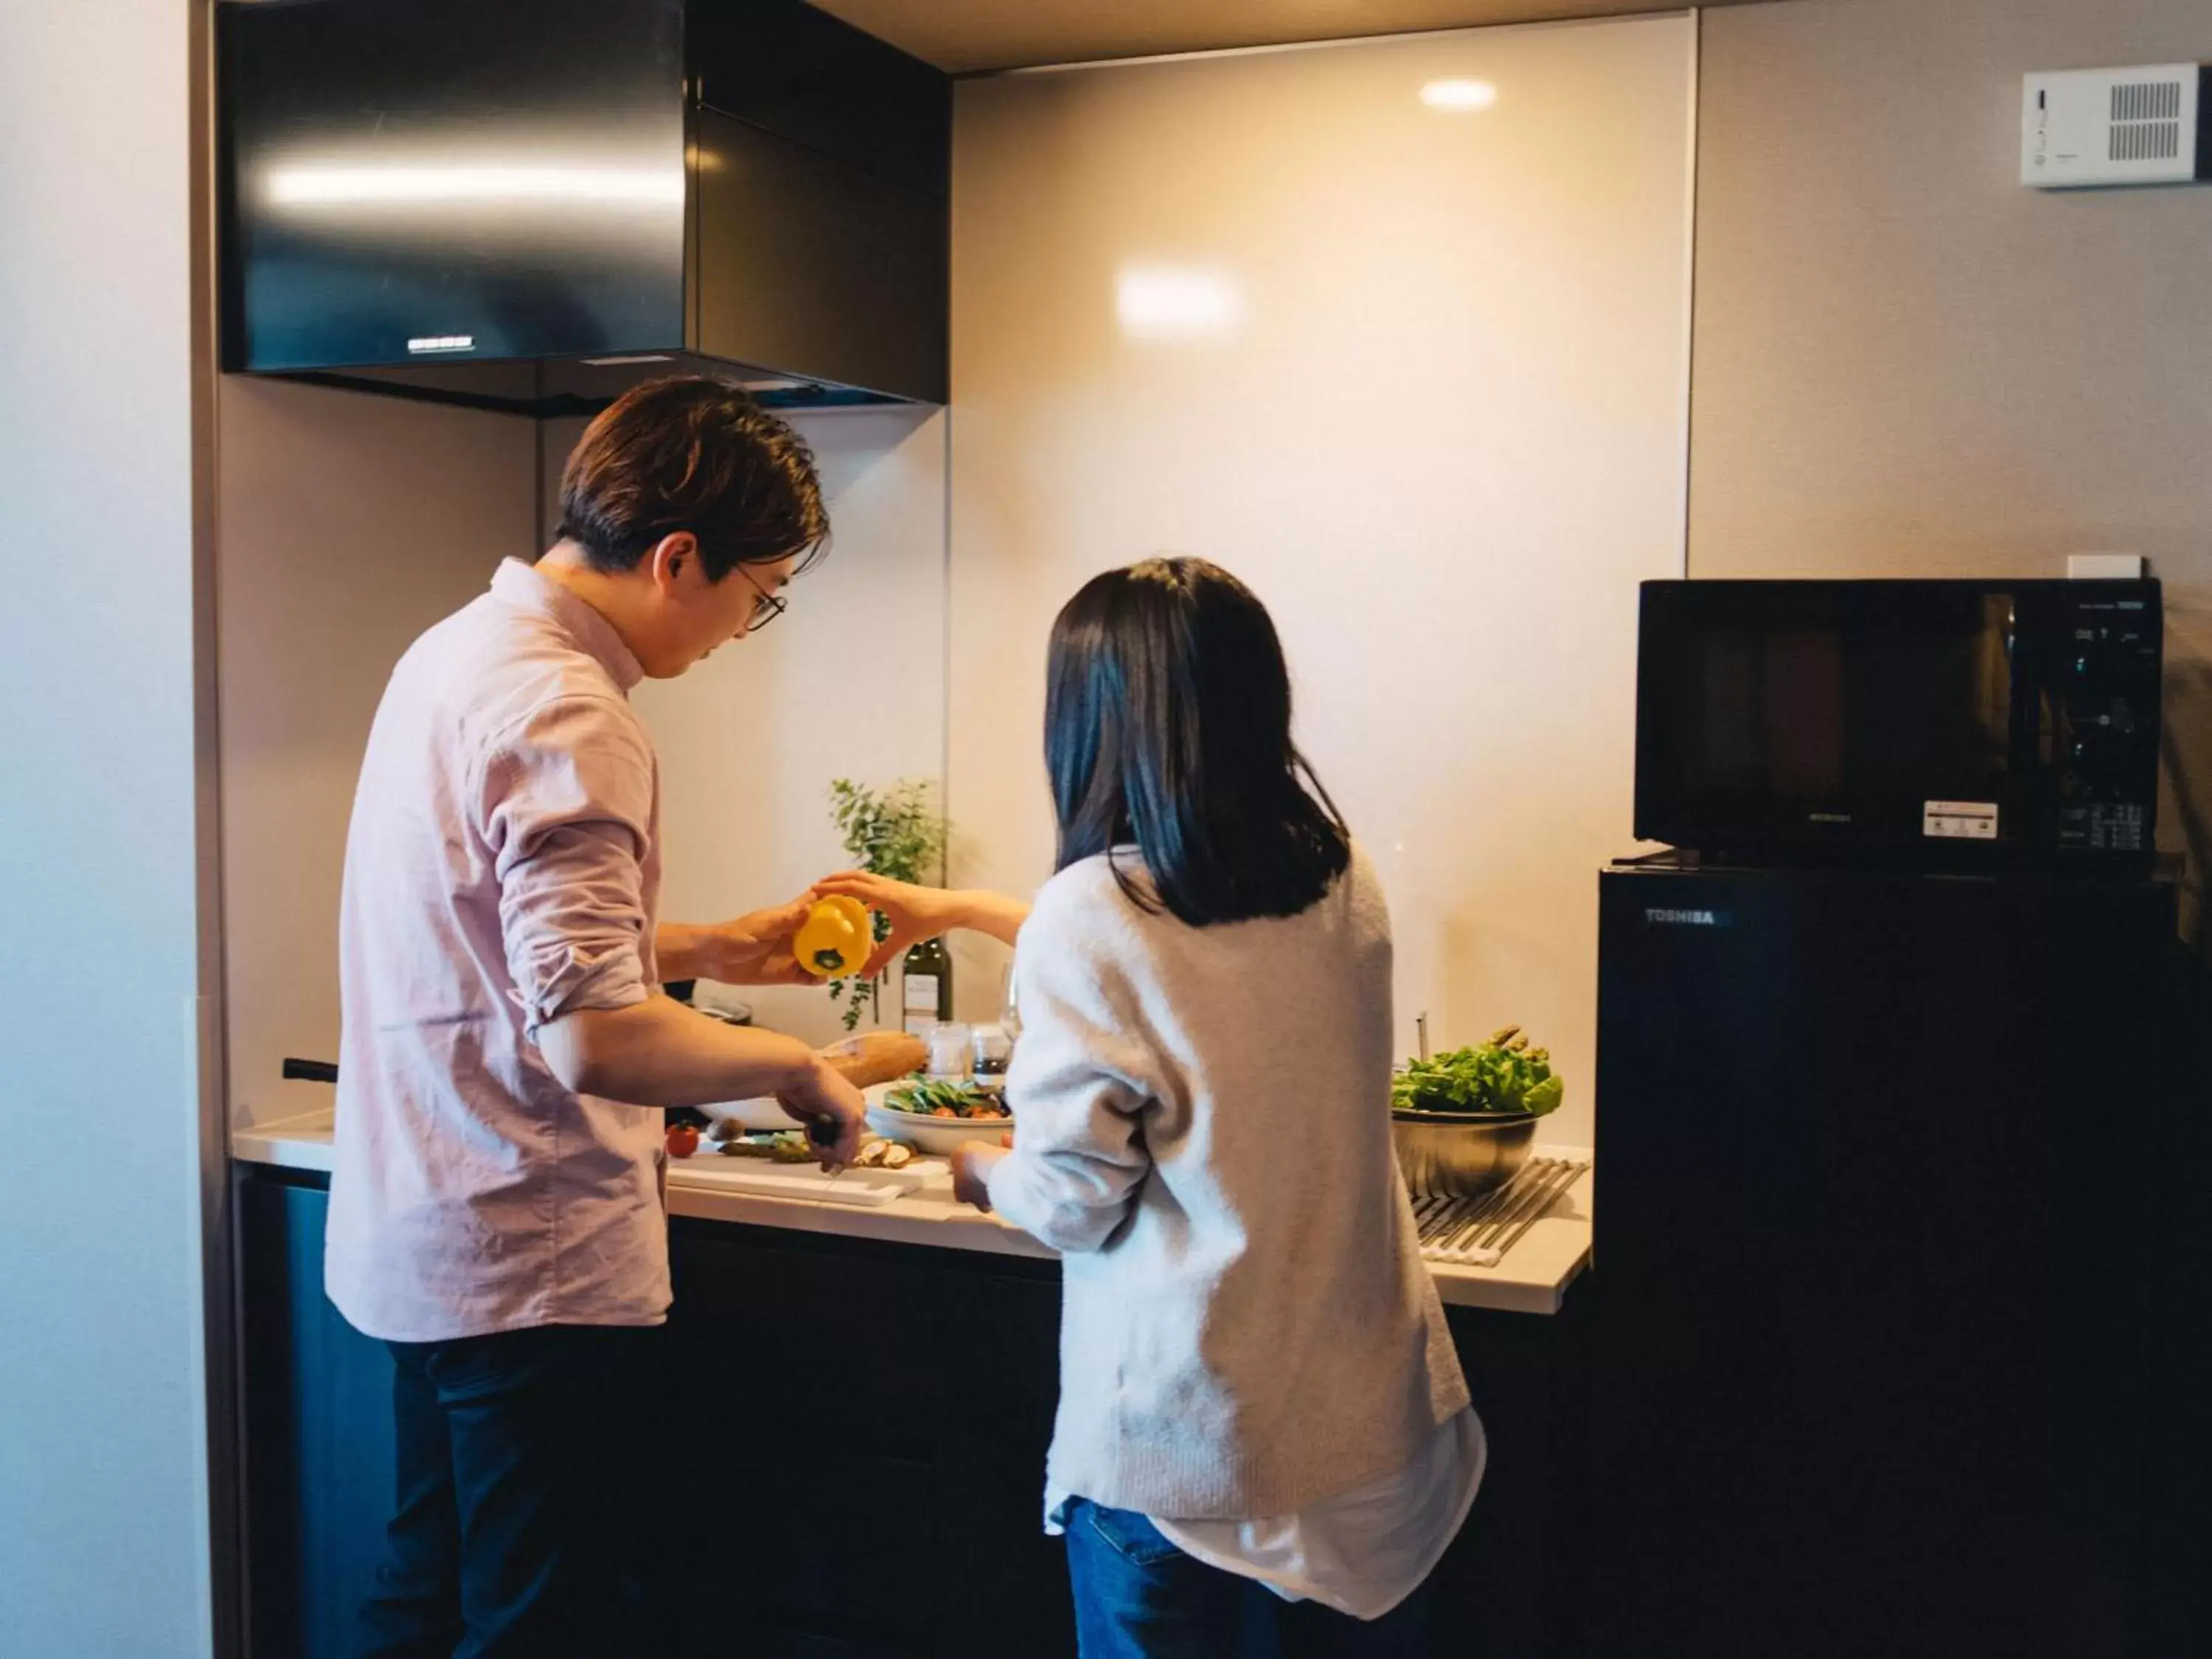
{"type": "Point", "coordinates": [529, 204]}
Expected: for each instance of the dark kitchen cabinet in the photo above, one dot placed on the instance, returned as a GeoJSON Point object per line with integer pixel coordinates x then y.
{"type": "Point", "coordinates": [854, 1434]}
{"type": "Point", "coordinates": [529, 205]}
{"type": "Point", "coordinates": [876, 1481]}
{"type": "Point", "coordinates": [318, 1453]}
{"type": "Point", "coordinates": [1901, 1230]}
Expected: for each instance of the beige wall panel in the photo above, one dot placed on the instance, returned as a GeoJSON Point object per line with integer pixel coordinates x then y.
{"type": "Point", "coordinates": [1909, 365]}
{"type": "Point", "coordinates": [347, 524]}
{"type": "Point", "coordinates": [849, 683]}
{"type": "Point", "coordinates": [351, 523]}
{"type": "Point", "coordinates": [1417, 375]}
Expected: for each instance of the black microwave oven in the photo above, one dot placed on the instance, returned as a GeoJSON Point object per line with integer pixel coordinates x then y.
{"type": "Point", "coordinates": [1951, 721]}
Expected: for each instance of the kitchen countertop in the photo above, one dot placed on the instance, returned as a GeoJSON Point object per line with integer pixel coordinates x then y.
{"type": "Point", "coordinates": [1533, 1278]}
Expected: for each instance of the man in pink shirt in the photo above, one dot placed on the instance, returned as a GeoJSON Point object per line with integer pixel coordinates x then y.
{"type": "Point", "coordinates": [496, 1210]}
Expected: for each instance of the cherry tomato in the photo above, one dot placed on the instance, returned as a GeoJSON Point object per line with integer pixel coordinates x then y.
{"type": "Point", "coordinates": [683, 1141]}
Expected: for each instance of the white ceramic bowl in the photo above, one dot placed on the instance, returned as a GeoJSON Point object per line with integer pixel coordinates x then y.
{"type": "Point", "coordinates": [941, 1136]}
{"type": "Point", "coordinates": [764, 1113]}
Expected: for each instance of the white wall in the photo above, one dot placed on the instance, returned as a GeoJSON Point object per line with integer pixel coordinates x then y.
{"type": "Point", "coordinates": [1419, 378]}
{"type": "Point", "coordinates": [103, 1469]}
{"type": "Point", "coordinates": [347, 524]}
{"type": "Point", "coordinates": [849, 683]}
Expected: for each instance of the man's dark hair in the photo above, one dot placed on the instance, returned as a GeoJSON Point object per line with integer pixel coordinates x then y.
{"type": "Point", "coordinates": [697, 454]}
{"type": "Point", "coordinates": [1168, 727]}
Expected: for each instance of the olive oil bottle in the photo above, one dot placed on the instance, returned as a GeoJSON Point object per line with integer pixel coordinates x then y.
{"type": "Point", "coordinates": [927, 985]}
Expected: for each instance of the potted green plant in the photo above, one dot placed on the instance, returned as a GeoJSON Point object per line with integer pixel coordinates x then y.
{"type": "Point", "coordinates": [898, 832]}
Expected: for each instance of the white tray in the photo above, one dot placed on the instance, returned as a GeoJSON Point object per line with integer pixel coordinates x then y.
{"type": "Point", "coordinates": [858, 1189]}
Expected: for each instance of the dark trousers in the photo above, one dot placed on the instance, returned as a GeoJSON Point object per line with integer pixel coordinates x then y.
{"type": "Point", "coordinates": [1137, 1597]}
{"type": "Point", "coordinates": [524, 1500]}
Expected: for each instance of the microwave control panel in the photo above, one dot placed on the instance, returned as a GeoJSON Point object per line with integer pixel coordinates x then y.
{"type": "Point", "coordinates": [2105, 694]}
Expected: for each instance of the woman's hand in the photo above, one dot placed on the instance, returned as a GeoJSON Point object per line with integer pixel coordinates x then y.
{"type": "Point", "coordinates": [915, 912]}
{"type": "Point", "coordinates": [971, 1172]}
{"type": "Point", "coordinates": [919, 913]}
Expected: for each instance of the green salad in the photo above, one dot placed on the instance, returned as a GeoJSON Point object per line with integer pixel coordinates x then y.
{"type": "Point", "coordinates": [1502, 1075]}
{"type": "Point", "coordinates": [947, 1099]}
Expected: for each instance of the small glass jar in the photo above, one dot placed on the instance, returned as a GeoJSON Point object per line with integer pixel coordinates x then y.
{"type": "Point", "coordinates": [950, 1050]}
{"type": "Point", "coordinates": [993, 1049]}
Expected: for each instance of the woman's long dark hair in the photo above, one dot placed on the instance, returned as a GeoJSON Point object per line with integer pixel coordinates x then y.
{"type": "Point", "coordinates": [1168, 725]}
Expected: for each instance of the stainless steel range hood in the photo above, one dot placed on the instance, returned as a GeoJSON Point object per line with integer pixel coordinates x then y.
{"type": "Point", "coordinates": [529, 204]}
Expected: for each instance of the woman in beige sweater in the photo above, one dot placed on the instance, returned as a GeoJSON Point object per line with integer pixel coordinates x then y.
{"type": "Point", "coordinates": [1258, 1392]}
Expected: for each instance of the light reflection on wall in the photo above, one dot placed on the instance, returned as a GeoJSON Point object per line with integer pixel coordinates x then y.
{"type": "Point", "coordinates": [1177, 302]}
{"type": "Point", "coordinates": [1456, 94]}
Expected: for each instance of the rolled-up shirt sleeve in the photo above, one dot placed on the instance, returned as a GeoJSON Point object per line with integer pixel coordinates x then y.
{"type": "Point", "coordinates": [1078, 1095]}
{"type": "Point", "coordinates": [567, 797]}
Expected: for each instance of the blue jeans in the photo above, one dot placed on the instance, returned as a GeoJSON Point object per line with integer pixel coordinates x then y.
{"type": "Point", "coordinates": [523, 1497]}
{"type": "Point", "coordinates": [1137, 1597]}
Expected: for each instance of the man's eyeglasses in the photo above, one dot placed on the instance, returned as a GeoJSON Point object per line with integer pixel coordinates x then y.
{"type": "Point", "coordinates": [767, 607]}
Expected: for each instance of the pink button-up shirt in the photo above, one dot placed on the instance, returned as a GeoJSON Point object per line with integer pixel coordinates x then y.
{"type": "Point", "coordinates": [502, 869]}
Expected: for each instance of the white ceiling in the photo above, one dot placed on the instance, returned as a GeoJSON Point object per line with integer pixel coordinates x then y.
{"type": "Point", "coordinates": [964, 35]}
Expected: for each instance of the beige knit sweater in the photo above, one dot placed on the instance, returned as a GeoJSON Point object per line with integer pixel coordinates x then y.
{"type": "Point", "coordinates": [1202, 1128]}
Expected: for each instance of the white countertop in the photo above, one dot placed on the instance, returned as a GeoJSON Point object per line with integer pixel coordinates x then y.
{"type": "Point", "coordinates": [1532, 1279]}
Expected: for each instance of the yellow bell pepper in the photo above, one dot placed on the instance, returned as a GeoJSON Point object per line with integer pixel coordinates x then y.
{"type": "Point", "coordinates": [834, 940]}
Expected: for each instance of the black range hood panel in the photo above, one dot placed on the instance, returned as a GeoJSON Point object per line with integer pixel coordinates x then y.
{"type": "Point", "coordinates": [528, 204]}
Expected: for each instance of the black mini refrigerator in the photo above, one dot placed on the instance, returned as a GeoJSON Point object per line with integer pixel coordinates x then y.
{"type": "Point", "coordinates": [1883, 1241]}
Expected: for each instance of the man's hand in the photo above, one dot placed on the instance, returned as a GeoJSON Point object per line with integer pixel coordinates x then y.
{"type": "Point", "coordinates": [750, 950]}
{"type": "Point", "coordinates": [833, 1111]}
{"type": "Point", "coordinates": [971, 1172]}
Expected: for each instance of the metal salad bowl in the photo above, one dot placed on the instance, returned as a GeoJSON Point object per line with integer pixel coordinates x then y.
{"type": "Point", "coordinates": [1460, 1154]}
